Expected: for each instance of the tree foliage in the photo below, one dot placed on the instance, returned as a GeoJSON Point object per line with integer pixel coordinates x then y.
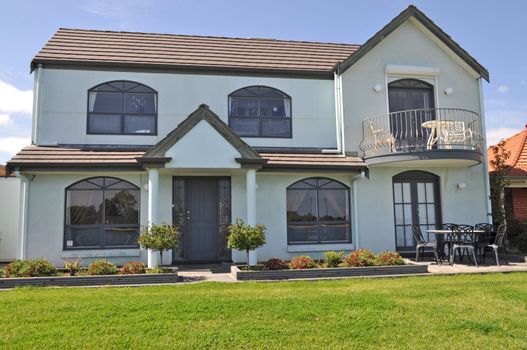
{"type": "Point", "coordinates": [498, 182]}
{"type": "Point", "coordinates": [245, 237]}
{"type": "Point", "coordinates": [159, 238]}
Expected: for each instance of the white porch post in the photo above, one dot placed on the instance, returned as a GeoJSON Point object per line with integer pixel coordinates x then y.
{"type": "Point", "coordinates": [250, 190]}
{"type": "Point", "coordinates": [153, 190]}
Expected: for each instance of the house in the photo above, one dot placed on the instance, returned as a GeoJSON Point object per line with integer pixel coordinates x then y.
{"type": "Point", "coordinates": [517, 174]}
{"type": "Point", "coordinates": [330, 146]}
{"type": "Point", "coordinates": [9, 220]}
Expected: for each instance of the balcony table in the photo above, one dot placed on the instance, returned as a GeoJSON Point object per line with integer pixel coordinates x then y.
{"type": "Point", "coordinates": [437, 126]}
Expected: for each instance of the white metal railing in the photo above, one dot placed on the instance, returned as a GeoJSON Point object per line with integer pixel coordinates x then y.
{"type": "Point", "coordinates": [421, 130]}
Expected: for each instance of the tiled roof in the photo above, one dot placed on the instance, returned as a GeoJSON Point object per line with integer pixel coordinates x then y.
{"type": "Point", "coordinates": [74, 46]}
{"type": "Point", "coordinates": [40, 158]}
{"type": "Point", "coordinates": [2, 171]}
{"type": "Point", "coordinates": [517, 146]}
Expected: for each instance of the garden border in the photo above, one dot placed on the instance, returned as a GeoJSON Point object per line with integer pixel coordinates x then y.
{"type": "Point", "coordinates": [336, 272]}
{"type": "Point", "coordinates": [80, 281]}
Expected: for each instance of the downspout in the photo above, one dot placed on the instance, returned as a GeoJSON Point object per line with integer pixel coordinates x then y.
{"type": "Point", "coordinates": [36, 104]}
{"type": "Point", "coordinates": [23, 215]}
{"type": "Point", "coordinates": [355, 207]}
{"type": "Point", "coordinates": [485, 158]}
{"type": "Point", "coordinates": [339, 127]}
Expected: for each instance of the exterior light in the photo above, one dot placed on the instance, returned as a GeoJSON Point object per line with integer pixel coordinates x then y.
{"type": "Point", "coordinates": [377, 88]}
{"type": "Point", "coordinates": [461, 186]}
{"type": "Point", "coordinates": [449, 91]}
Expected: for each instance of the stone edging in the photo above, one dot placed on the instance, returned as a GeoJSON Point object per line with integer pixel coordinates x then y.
{"type": "Point", "coordinates": [327, 272]}
{"type": "Point", "coordinates": [67, 281]}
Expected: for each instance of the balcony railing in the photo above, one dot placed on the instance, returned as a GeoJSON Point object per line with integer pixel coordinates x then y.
{"type": "Point", "coordinates": [420, 130]}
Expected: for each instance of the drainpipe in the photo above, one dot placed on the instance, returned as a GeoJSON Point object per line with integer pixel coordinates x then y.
{"type": "Point", "coordinates": [339, 121]}
{"type": "Point", "coordinates": [36, 104]}
{"type": "Point", "coordinates": [22, 215]}
{"type": "Point", "coordinates": [485, 158]}
{"type": "Point", "coordinates": [355, 207]}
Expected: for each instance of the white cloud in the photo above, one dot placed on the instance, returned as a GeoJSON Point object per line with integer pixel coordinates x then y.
{"type": "Point", "coordinates": [503, 89]}
{"type": "Point", "coordinates": [11, 145]}
{"type": "Point", "coordinates": [497, 134]}
{"type": "Point", "coordinates": [5, 120]}
{"type": "Point", "coordinates": [13, 100]}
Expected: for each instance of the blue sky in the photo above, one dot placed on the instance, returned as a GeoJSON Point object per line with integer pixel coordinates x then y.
{"type": "Point", "coordinates": [492, 31]}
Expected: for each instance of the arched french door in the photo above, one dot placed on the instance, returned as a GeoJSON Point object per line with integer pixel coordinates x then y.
{"type": "Point", "coordinates": [416, 200]}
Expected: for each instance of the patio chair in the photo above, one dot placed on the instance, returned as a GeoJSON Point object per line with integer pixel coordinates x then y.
{"type": "Point", "coordinates": [464, 239]}
{"type": "Point", "coordinates": [485, 239]}
{"type": "Point", "coordinates": [421, 244]}
{"type": "Point", "coordinates": [446, 240]}
{"type": "Point", "coordinates": [499, 242]}
{"type": "Point", "coordinates": [382, 138]}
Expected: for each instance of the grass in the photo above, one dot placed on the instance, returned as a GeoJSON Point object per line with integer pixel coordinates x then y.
{"type": "Point", "coordinates": [444, 312]}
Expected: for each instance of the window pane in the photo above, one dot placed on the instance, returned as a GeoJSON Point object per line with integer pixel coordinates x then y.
{"type": "Point", "coordinates": [139, 103]}
{"type": "Point", "coordinates": [84, 207]}
{"type": "Point", "coordinates": [139, 124]}
{"type": "Point", "coordinates": [302, 233]}
{"type": "Point", "coordinates": [272, 108]}
{"type": "Point", "coordinates": [301, 205]}
{"type": "Point", "coordinates": [105, 124]}
{"type": "Point", "coordinates": [276, 127]}
{"type": "Point", "coordinates": [86, 185]}
{"type": "Point", "coordinates": [121, 236]}
{"type": "Point", "coordinates": [333, 205]}
{"type": "Point", "coordinates": [83, 237]}
{"type": "Point", "coordinates": [244, 107]}
{"type": "Point", "coordinates": [334, 232]}
{"type": "Point", "coordinates": [245, 126]}
{"type": "Point", "coordinates": [105, 102]}
{"type": "Point", "coordinates": [122, 207]}
{"type": "Point", "coordinates": [421, 194]}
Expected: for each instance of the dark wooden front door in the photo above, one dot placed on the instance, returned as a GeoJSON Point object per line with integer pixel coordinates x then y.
{"type": "Point", "coordinates": [202, 219]}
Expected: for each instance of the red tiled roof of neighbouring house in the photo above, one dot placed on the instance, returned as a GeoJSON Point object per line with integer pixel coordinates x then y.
{"type": "Point", "coordinates": [2, 170]}
{"type": "Point", "coordinates": [517, 146]}
{"type": "Point", "coordinates": [97, 47]}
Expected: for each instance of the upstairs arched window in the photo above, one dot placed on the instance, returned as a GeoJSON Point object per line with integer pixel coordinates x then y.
{"type": "Point", "coordinates": [260, 111]}
{"type": "Point", "coordinates": [122, 107]}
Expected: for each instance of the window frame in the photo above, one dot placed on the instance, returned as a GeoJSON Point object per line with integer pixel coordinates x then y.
{"type": "Point", "coordinates": [318, 222]}
{"type": "Point", "coordinates": [102, 226]}
{"type": "Point", "coordinates": [122, 114]}
{"type": "Point", "coordinates": [260, 117]}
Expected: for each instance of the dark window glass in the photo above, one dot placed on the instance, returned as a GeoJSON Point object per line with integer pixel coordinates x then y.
{"type": "Point", "coordinates": [122, 107]}
{"type": "Point", "coordinates": [102, 212]}
{"type": "Point", "coordinates": [260, 111]}
{"type": "Point", "coordinates": [318, 211]}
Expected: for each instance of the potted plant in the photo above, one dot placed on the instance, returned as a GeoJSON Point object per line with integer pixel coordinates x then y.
{"type": "Point", "coordinates": [245, 237]}
{"type": "Point", "coordinates": [159, 238]}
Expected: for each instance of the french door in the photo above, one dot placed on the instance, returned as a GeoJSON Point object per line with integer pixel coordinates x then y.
{"type": "Point", "coordinates": [416, 202]}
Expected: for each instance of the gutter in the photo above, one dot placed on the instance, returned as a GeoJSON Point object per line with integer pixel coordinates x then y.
{"type": "Point", "coordinates": [23, 214]}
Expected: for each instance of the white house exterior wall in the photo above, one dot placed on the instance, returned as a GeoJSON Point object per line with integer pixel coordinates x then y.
{"type": "Point", "coordinates": [64, 92]}
{"type": "Point", "coordinates": [9, 211]}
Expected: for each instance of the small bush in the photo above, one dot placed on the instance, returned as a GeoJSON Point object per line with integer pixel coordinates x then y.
{"type": "Point", "coordinates": [30, 268]}
{"type": "Point", "coordinates": [72, 266]}
{"type": "Point", "coordinates": [332, 258]}
{"type": "Point", "coordinates": [275, 264]}
{"type": "Point", "coordinates": [302, 262]}
{"type": "Point", "coordinates": [359, 257]}
{"type": "Point", "coordinates": [159, 269]}
{"type": "Point", "coordinates": [102, 267]}
{"type": "Point", "coordinates": [2, 273]}
{"type": "Point", "coordinates": [133, 268]}
{"type": "Point", "coordinates": [389, 258]}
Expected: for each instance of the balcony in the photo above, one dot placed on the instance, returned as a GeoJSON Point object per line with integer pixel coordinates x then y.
{"type": "Point", "coordinates": [434, 136]}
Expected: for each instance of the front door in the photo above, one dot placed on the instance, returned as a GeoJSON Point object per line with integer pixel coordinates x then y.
{"type": "Point", "coordinates": [416, 201]}
{"type": "Point", "coordinates": [202, 219]}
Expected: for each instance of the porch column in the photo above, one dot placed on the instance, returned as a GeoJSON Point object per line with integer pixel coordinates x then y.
{"type": "Point", "coordinates": [153, 190]}
{"type": "Point", "coordinates": [251, 207]}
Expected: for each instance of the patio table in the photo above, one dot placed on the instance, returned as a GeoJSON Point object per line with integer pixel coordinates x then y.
{"type": "Point", "coordinates": [440, 239]}
{"type": "Point", "coordinates": [437, 131]}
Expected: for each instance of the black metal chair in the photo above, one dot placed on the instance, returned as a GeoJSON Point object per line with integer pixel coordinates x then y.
{"type": "Point", "coordinates": [485, 239]}
{"type": "Point", "coordinates": [421, 244]}
{"type": "Point", "coordinates": [447, 238]}
{"type": "Point", "coordinates": [464, 239]}
{"type": "Point", "coordinates": [499, 242]}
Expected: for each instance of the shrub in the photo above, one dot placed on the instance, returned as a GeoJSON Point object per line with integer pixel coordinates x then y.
{"type": "Point", "coordinates": [389, 258]}
{"type": "Point", "coordinates": [517, 235]}
{"type": "Point", "coordinates": [275, 264]}
{"type": "Point", "coordinates": [159, 238]}
{"type": "Point", "coordinates": [2, 273]}
{"type": "Point", "coordinates": [133, 268]}
{"type": "Point", "coordinates": [30, 268]}
{"type": "Point", "coordinates": [359, 257]}
{"type": "Point", "coordinates": [72, 266]}
{"type": "Point", "coordinates": [245, 237]}
{"type": "Point", "coordinates": [302, 262]}
{"type": "Point", "coordinates": [102, 267]}
{"type": "Point", "coordinates": [159, 269]}
{"type": "Point", "coordinates": [332, 258]}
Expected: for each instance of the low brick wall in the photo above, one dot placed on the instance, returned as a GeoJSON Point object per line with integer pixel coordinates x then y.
{"type": "Point", "coordinates": [327, 272]}
{"type": "Point", "coordinates": [66, 281]}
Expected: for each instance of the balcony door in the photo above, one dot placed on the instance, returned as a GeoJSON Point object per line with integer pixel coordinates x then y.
{"type": "Point", "coordinates": [411, 103]}
{"type": "Point", "coordinates": [415, 201]}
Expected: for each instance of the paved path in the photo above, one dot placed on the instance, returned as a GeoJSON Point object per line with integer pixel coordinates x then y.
{"type": "Point", "coordinates": [215, 273]}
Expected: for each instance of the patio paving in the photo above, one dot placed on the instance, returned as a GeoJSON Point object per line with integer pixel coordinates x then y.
{"type": "Point", "coordinates": [516, 264]}
{"type": "Point", "coordinates": [198, 273]}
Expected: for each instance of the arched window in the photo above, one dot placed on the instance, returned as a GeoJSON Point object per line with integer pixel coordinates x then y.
{"type": "Point", "coordinates": [260, 111]}
{"type": "Point", "coordinates": [101, 212]}
{"type": "Point", "coordinates": [122, 107]}
{"type": "Point", "coordinates": [318, 211]}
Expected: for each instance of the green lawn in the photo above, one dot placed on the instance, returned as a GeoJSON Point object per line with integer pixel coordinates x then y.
{"type": "Point", "coordinates": [447, 312]}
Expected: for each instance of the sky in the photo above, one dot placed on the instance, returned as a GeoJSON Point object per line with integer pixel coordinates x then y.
{"type": "Point", "coordinates": [491, 31]}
